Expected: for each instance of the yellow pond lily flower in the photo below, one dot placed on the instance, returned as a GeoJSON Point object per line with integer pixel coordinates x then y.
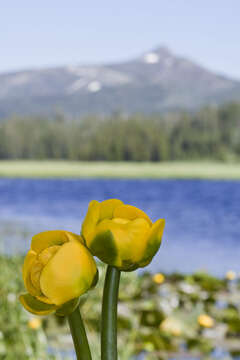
{"type": "Point", "coordinates": [158, 278]}
{"type": "Point", "coordinates": [172, 325]}
{"type": "Point", "coordinates": [57, 270]}
{"type": "Point", "coordinates": [34, 323]}
{"type": "Point", "coordinates": [205, 321]}
{"type": "Point", "coordinates": [231, 275]}
{"type": "Point", "coordinates": [121, 235]}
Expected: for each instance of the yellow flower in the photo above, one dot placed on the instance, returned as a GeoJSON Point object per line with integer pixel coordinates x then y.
{"type": "Point", "coordinates": [205, 321]}
{"type": "Point", "coordinates": [230, 275]}
{"type": "Point", "coordinates": [158, 278]}
{"type": "Point", "coordinates": [172, 326]}
{"type": "Point", "coordinates": [148, 346]}
{"type": "Point", "coordinates": [34, 323]}
{"type": "Point", "coordinates": [121, 235]}
{"type": "Point", "coordinates": [57, 270]}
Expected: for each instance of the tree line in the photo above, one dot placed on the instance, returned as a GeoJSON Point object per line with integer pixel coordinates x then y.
{"type": "Point", "coordinates": [210, 133]}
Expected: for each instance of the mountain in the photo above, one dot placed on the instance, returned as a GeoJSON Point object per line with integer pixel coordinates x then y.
{"type": "Point", "coordinates": [156, 81]}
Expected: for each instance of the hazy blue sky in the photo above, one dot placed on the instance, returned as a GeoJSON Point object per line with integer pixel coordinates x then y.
{"type": "Point", "coordinates": [56, 32]}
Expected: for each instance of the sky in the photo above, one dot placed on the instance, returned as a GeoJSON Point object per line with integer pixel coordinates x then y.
{"type": "Point", "coordinates": [50, 33]}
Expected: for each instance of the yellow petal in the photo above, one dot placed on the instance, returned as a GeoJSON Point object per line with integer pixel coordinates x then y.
{"type": "Point", "coordinates": [34, 323]}
{"type": "Point", "coordinates": [108, 207]}
{"type": "Point", "coordinates": [90, 221]}
{"type": "Point", "coordinates": [130, 212]}
{"type": "Point", "coordinates": [29, 260]}
{"type": "Point", "coordinates": [35, 306]}
{"type": "Point", "coordinates": [120, 244]}
{"type": "Point", "coordinates": [153, 241]}
{"type": "Point", "coordinates": [46, 255]}
{"type": "Point", "coordinates": [46, 239]}
{"type": "Point", "coordinates": [120, 221]}
{"type": "Point", "coordinates": [158, 278]}
{"type": "Point", "coordinates": [68, 274]}
{"type": "Point", "coordinates": [205, 321]}
{"type": "Point", "coordinates": [96, 212]}
{"type": "Point", "coordinates": [74, 237]}
{"type": "Point", "coordinates": [35, 273]}
{"type": "Point", "coordinates": [44, 299]}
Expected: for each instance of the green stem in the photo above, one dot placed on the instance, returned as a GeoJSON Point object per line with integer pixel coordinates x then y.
{"type": "Point", "coordinates": [109, 314]}
{"type": "Point", "coordinates": [79, 336]}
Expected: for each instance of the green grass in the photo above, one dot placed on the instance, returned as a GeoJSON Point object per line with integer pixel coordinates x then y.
{"type": "Point", "coordinates": [74, 169]}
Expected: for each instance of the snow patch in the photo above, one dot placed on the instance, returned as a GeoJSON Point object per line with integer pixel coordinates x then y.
{"type": "Point", "coordinates": [151, 58]}
{"type": "Point", "coordinates": [94, 86]}
{"type": "Point", "coordinates": [77, 85]}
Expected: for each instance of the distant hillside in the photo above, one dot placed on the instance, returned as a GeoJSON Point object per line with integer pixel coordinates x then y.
{"type": "Point", "coordinates": [154, 82]}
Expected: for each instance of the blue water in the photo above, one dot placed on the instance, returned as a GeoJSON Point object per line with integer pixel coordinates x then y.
{"type": "Point", "coordinates": [202, 217]}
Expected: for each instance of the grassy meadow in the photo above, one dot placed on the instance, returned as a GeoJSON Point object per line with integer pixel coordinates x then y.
{"type": "Point", "coordinates": [160, 170]}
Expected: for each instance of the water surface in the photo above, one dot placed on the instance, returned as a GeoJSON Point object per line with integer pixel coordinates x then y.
{"type": "Point", "coordinates": [202, 217]}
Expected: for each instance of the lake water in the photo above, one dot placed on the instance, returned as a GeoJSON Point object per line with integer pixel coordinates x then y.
{"type": "Point", "coordinates": [202, 217]}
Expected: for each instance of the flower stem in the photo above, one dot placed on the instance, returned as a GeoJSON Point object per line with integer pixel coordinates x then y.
{"type": "Point", "coordinates": [109, 314]}
{"type": "Point", "coordinates": [79, 336]}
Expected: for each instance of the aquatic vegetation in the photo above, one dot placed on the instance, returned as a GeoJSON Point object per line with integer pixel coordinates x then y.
{"type": "Point", "coordinates": [20, 335]}
{"type": "Point", "coordinates": [145, 307]}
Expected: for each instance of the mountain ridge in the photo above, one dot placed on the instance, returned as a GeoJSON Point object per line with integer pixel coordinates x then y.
{"type": "Point", "coordinates": [156, 81]}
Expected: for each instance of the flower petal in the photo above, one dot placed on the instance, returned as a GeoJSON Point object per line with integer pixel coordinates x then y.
{"type": "Point", "coordinates": [104, 247]}
{"type": "Point", "coordinates": [108, 207]}
{"type": "Point", "coordinates": [120, 244]}
{"type": "Point", "coordinates": [44, 299]}
{"type": "Point", "coordinates": [45, 256]}
{"type": "Point", "coordinates": [68, 274]}
{"type": "Point", "coordinates": [48, 238]}
{"type": "Point", "coordinates": [74, 237]}
{"type": "Point", "coordinates": [153, 241]}
{"type": "Point", "coordinates": [35, 306]}
{"type": "Point", "coordinates": [96, 212]}
{"type": "Point", "coordinates": [29, 261]}
{"type": "Point", "coordinates": [90, 221]}
{"type": "Point", "coordinates": [130, 212]}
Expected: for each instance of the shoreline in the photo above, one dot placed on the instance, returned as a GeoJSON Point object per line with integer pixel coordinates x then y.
{"type": "Point", "coordinates": [119, 170]}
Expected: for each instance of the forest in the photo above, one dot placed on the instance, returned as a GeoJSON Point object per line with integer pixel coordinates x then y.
{"type": "Point", "coordinates": [211, 133]}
